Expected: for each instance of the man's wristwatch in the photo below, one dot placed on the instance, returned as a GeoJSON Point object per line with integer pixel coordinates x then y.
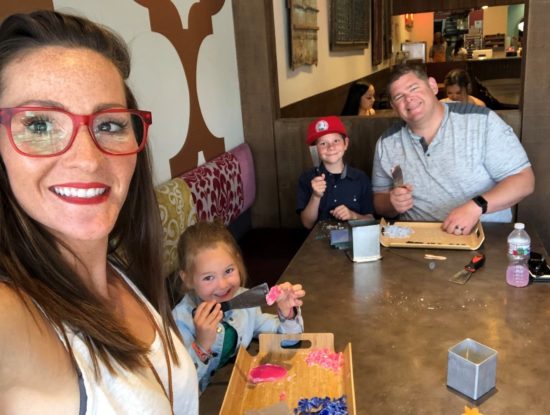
{"type": "Point", "coordinates": [481, 202]}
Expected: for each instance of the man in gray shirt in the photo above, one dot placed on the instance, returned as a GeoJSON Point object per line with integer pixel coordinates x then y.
{"type": "Point", "coordinates": [459, 161]}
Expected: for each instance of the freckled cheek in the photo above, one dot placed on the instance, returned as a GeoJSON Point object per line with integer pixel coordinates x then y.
{"type": "Point", "coordinates": [125, 173]}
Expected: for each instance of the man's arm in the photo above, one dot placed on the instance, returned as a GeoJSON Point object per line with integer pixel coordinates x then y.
{"type": "Point", "coordinates": [382, 204]}
{"type": "Point", "coordinates": [505, 194]}
{"type": "Point", "coordinates": [511, 190]}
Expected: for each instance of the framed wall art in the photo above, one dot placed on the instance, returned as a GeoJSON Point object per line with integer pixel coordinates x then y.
{"type": "Point", "coordinates": [350, 23]}
{"type": "Point", "coordinates": [302, 18]}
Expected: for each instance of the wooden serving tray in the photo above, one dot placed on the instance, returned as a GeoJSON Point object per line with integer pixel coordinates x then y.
{"type": "Point", "coordinates": [430, 235]}
{"type": "Point", "coordinates": [302, 381]}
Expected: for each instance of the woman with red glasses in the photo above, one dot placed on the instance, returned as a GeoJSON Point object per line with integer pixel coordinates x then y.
{"type": "Point", "coordinates": [85, 324]}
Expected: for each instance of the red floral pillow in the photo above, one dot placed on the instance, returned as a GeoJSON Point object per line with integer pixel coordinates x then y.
{"type": "Point", "coordinates": [217, 188]}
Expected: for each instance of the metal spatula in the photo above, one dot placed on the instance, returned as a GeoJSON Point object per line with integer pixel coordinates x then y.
{"type": "Point", "coordinates": [462, 277]}
{"type": "Point", "coordinates": [254, 297]}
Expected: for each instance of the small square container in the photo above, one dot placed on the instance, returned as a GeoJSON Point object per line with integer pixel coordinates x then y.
{"type": "Point", "coordinates": [365, 240]}
{"type": "Point", "coordinates": [471, 368]}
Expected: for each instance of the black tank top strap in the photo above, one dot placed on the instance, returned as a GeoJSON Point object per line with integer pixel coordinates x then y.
{"type": "Point", "coordinates": [82, 392]}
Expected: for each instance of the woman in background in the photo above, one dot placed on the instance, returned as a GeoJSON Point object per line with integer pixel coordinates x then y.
{"type": "Point", "coordinates": [458, 87]}
{"type": "Point", "coordinates": [360, 99]}
{"type": "Point", "coordinates": [459, 51]}
{"type": "Point", "coordinates": [438, 50]}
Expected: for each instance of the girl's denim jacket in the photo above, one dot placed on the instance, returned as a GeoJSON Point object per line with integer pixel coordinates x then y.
{"type": "Point", "coordinates": [247, 322]}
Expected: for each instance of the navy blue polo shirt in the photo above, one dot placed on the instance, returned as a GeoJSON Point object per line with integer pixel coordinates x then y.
{"type": "Point", "coordinates": [351, 188]}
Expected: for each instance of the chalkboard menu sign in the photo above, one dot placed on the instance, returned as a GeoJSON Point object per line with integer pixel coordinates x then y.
{"type": "Point", "coordinates": [350, 24]}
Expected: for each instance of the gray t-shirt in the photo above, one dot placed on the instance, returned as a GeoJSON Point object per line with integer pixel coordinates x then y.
{"type": "Point", "coordinates": [472, 151]}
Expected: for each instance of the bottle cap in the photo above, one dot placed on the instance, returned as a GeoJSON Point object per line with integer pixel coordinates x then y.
{"type": "Point", "coordinates": [519, 225]}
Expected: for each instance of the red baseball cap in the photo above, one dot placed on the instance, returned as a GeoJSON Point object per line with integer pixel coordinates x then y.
{"type": "Point", "coordinates": [323, 126]}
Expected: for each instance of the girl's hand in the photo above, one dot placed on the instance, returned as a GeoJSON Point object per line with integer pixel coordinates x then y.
{"type": "Point", "coordinates": [207, 317]}
{"type": "Point", "coordinates": [289, 298]}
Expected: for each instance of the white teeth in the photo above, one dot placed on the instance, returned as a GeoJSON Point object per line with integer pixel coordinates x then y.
{"type": "Point", "coordinates": [81, 193]}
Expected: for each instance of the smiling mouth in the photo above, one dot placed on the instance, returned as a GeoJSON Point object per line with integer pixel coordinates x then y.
{"type": "Point", "coordinates": [225, 294]}
{"type": "Point", "coordinates": [414, 108]}
{"type": "Point", "coordinates": [79, 192]}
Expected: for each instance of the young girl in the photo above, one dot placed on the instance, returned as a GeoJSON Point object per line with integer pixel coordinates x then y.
{"type": "Point", "coordinates": [360, 99]}
{"type": "Point", "coordinates": [212, 268]}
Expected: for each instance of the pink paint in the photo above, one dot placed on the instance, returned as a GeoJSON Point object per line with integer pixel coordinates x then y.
{"type": "Point", "coordinates": [273, 294]}
{"type": "Point", "coordinates": [325, 358]}
{"type": "Point", "coordinates": [266, 373]}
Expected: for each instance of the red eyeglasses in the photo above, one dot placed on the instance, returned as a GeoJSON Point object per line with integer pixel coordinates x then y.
{"type": "Point", "coordinates": [47, 132]}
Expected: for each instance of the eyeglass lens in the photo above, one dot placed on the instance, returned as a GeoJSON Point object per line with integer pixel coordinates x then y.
{"type": "Point", "coordinates": [47, 132]}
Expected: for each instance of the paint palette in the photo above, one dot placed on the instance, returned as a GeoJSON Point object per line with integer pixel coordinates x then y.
{"type": "Point", "coordinates": [313, 368]}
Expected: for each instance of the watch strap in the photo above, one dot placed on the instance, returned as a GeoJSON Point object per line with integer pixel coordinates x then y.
{"type": "Point", "coordinates": [481, 202]}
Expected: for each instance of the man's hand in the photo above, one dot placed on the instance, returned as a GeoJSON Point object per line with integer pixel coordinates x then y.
{"type": "Point", "coordinates": [207, 317]}
{"type": "Point", "coordinates": [319, 185]}
{"type": "Point", "coordinates": [401, 198]}
{"type": "Point", "coordinates": [462, 219]}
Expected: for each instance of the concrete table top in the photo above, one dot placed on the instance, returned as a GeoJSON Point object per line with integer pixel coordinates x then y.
{"type": "Point", "coordinates": [401, 317]}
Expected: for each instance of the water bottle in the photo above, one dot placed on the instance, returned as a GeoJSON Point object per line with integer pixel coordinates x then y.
{"type": "Point", "coordinates": [519, 249]}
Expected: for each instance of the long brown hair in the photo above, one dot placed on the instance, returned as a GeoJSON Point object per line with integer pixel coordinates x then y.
{"type": "Point", "coordinates": [30, 258]}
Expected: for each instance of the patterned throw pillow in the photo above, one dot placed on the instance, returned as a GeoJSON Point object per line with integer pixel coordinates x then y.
{"type": "Point", "coordinates": [217, 189]}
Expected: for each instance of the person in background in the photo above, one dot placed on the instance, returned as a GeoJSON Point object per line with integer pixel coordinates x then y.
{"type": "Point", "coordinates": [360, 99]}
{"type": "Point", "coordinates": [334, 190]}
{"type": "Point", "coordinates": [459, 161]}
{"type": "Point", "coordinates": [438, 49]}
{"type": "Point", "coordinates": [86, 323]}
{"type": "Point", "coordinates": [459, 51]}
{"type": "Point", "coordinates": [212, 268]}
{"type": "Point", "coordinates": [458, 87]}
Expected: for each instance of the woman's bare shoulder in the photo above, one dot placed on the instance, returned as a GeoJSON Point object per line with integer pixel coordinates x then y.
{"type": "Point", "coordinates": [14, 310]}
{"type": "Point", "coordinates": [17, 319]}
{"type": "Point", "coordinates": [23, 327]}
{"type": "Point", "coordinates": [32, 359]}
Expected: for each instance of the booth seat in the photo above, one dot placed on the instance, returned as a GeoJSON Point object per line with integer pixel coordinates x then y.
{"type": "Point", "coordinates": [223, 188]}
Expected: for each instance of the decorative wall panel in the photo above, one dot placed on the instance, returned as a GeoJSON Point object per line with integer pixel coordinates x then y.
{"type": "Point", "coordinates": [350, 24]}
{"type": "Point", "coordinates": [303, 32]}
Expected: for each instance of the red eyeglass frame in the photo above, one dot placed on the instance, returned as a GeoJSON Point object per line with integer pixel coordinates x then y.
{"type": "Point", "coordinates": [78, 120]}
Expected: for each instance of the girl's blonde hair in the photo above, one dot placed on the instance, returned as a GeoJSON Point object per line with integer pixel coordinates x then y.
{"type": "Point", "coordinates": [206, 235]}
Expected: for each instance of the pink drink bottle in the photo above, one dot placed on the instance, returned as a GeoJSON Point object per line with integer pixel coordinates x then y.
{"type": "Point", "coordinates": [519, 249]}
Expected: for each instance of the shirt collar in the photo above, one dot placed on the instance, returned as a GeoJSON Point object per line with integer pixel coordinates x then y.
{"type": "Point", "coordinates": [345, 173]}
{"type": "Point", "coordinates": [441, 128]}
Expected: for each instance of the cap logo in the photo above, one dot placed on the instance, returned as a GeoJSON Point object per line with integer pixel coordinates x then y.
{"type": "Point", "coordinates": [322, 125]}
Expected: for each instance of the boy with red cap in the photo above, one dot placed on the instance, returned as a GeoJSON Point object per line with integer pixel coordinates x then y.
{"type": "Point", "coordinates": [334, 190]}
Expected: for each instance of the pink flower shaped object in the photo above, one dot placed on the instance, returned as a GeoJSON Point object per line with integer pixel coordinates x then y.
{"type": "Point", "coordinates": [272, 295]}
